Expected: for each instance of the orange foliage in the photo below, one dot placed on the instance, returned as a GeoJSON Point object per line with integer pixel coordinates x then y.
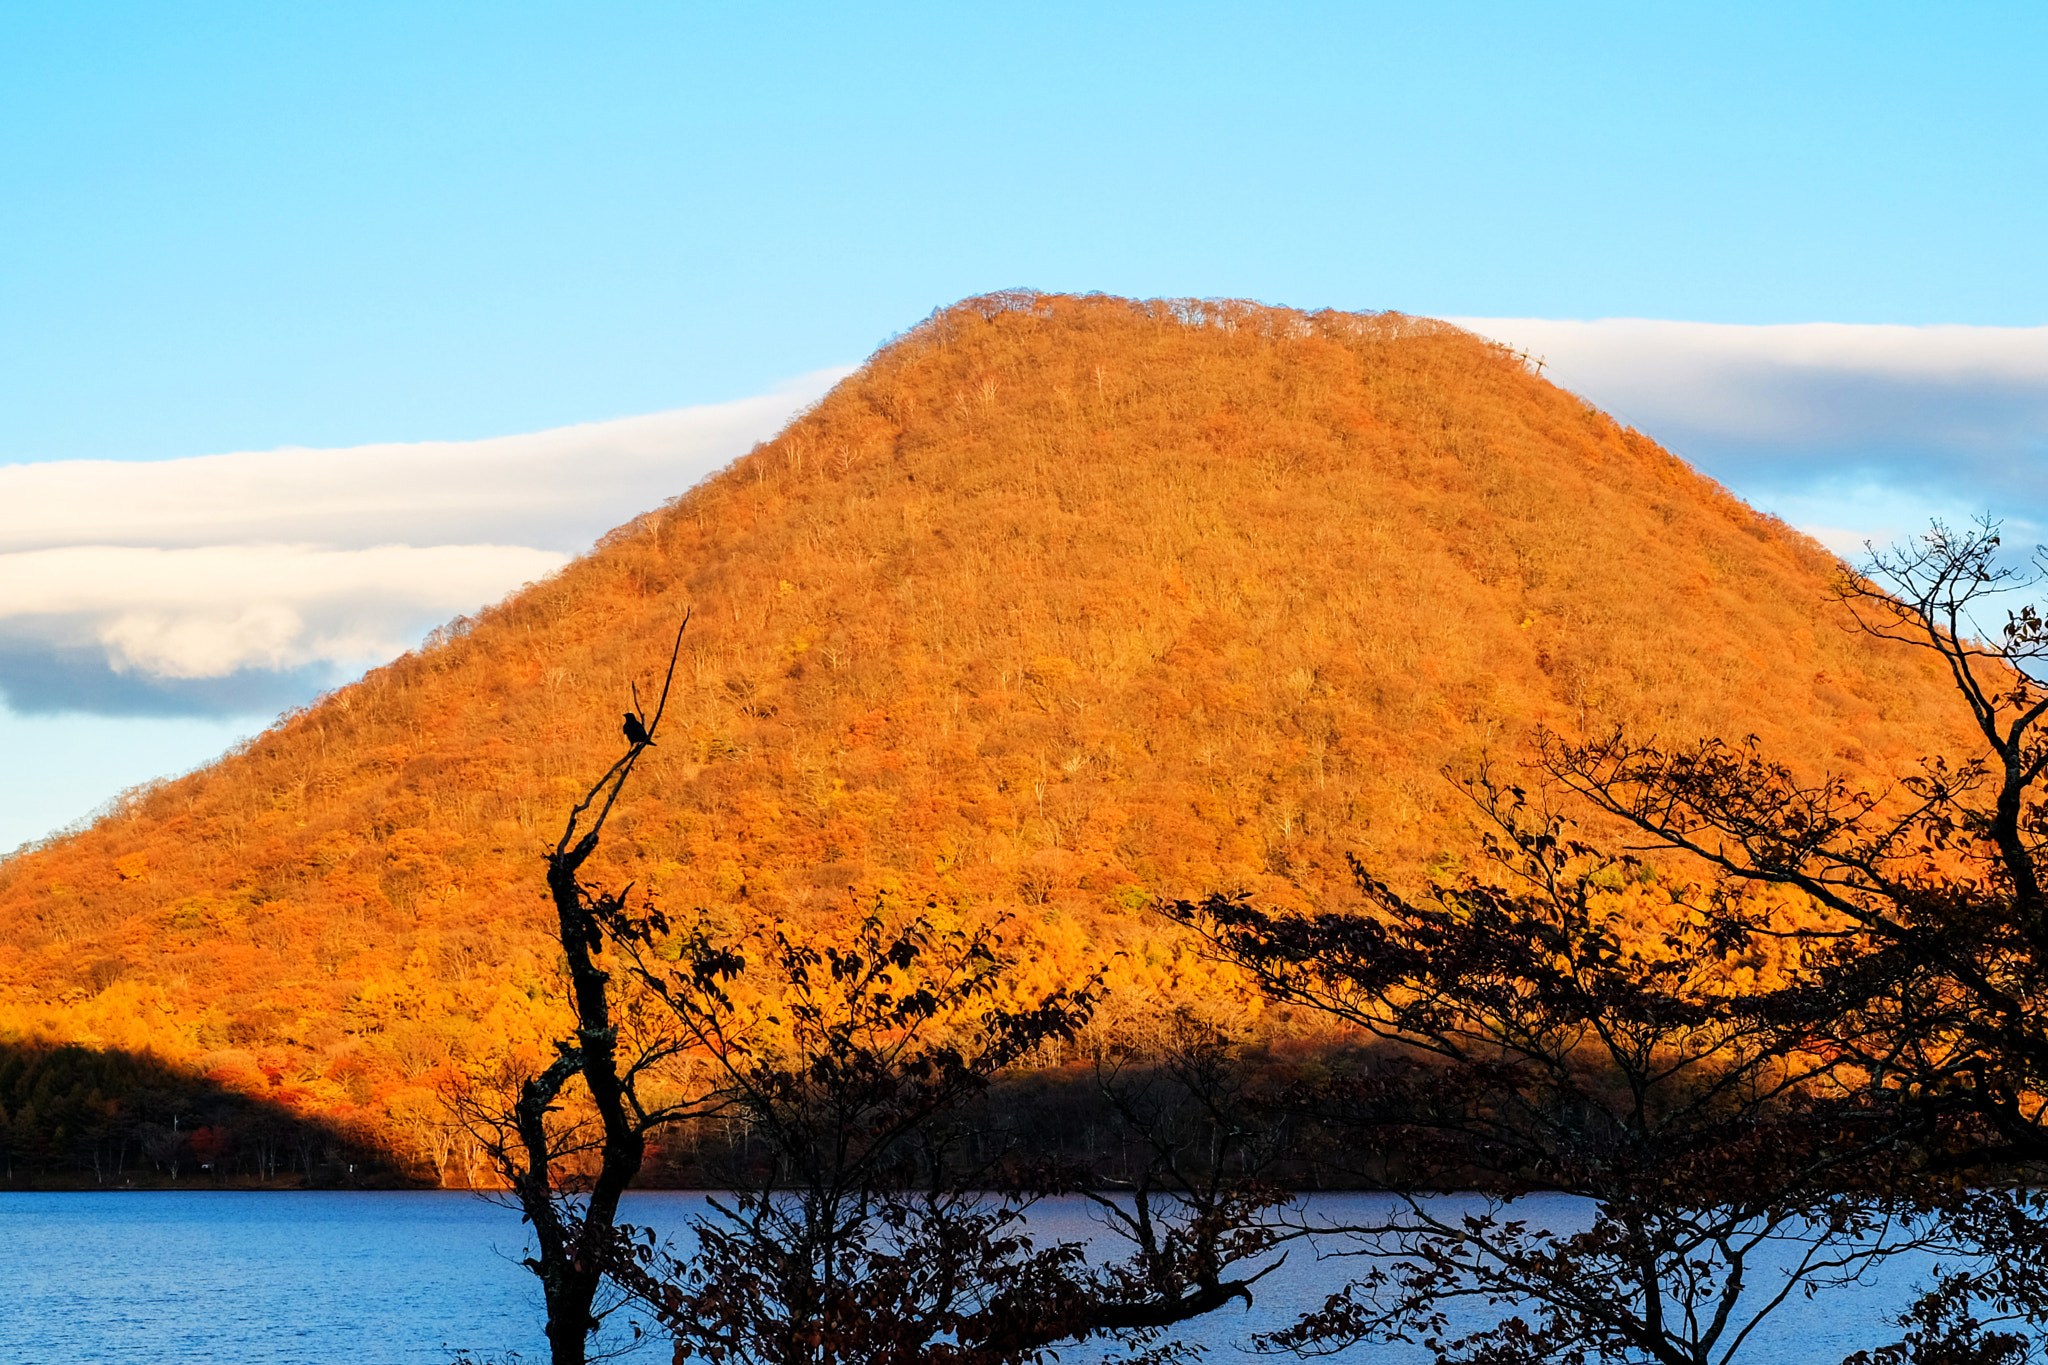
{"type": "Point", "coordinates": [1058, 606]}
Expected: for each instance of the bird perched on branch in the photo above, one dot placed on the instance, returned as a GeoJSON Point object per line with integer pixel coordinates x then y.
{"type": "Point", "coordinates": [636, 733]}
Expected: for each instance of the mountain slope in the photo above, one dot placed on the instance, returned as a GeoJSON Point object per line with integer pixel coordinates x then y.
{"type": "Point", "coordinates": [1057, 606]}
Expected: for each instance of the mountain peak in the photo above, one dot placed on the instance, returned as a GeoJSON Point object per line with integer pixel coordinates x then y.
{"type": "Point", "coordinates": [1058, 606]}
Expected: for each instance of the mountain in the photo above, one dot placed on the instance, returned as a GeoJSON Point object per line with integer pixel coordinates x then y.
{"type": "Point", "coordinates": [1060, 605]}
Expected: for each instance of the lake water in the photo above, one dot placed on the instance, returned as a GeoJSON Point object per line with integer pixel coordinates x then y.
{"type": "Point", "coordinates": [407, 1278]}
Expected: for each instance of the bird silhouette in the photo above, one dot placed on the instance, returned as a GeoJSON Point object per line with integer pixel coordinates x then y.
{"type": "Point", "coordinates": [636, 733]}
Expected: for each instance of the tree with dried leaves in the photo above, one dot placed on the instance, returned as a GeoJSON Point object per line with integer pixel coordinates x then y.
{"type": "Point", "coordinates": [880, 1219]}
{"type": "Point", "coordinates": [1934, 956]}
{"type": "Point", "coordinates": [1531, 1040]}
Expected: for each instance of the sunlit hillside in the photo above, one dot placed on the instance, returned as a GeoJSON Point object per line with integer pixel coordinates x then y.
{"type": "Point", "coordinates": [1058, 606]}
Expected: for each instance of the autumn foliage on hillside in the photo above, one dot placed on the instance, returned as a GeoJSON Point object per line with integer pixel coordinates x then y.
{"type": "Point", "coordinates": [1059, 607]}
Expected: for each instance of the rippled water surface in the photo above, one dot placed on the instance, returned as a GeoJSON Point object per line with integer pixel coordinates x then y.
{"type": "Point", "coordinates": [378, 1279]}
{"type": "Point", "coordinates": [263, 1277]}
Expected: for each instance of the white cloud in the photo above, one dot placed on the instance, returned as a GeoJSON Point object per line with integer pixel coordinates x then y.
{"type": "Point", "coordinates": [146, 586]}
{"type": "Point", "coordinates": [2015, 353]}
{"type": "Point", "coordinates": [1849, 431]}
{"type": "Point", "coordinates": [1809, 382]}
{"type": "Point", "coordinates": [556, 489]}
{"type": "Point", "coordinates": [207, 612]}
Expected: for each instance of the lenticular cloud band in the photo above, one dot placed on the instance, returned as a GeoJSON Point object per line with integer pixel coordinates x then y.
{"type": "Point", "coordinates": [204, 570]}
{"type": "Point", "coordinates": [557, 489]}
{"type": "Point", "coordinates": [205, 613]}
{"type": "Point", "coordinates": [1850, 432]}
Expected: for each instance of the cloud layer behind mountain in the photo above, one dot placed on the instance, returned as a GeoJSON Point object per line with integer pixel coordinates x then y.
{"type": "Point", "coordinates": [240, 583]}
{"type": "Point", "coordinates": [1850, 432]}
{"type": "Point", "coordinates": [226, 584]}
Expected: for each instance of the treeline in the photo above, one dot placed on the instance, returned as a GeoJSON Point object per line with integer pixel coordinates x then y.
{"type": "Point", "coordinates": [1068, 1119]}
{"type": "Point", "coordinates": [80, 1117]}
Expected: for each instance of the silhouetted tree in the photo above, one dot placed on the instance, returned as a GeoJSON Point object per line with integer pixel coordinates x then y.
{"type": "Point", "coordinates": [572, 1209]}
{"type": "Point", "coordinates": [1936, 886]}
{"type": "Point", "coordinates": [1935, 953]}
{"type": "Point", "coordinates": [1530, 1039]}
{"type": "Point", "coordinates": [879, 1220]}
{"type": "Point", "coordinates": [861, 1232]}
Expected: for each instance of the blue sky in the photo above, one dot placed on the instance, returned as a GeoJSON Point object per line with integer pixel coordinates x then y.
{"type": "Point", "coordinates": [230, 229]}
{"type": "Point", "coordinates": [241, 226]}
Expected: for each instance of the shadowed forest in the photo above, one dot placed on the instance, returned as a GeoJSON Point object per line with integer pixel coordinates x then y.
{"type": "Point", "coordinates": [77, 1116]}
{"type": "Point", "coordinates": [1062, 609]}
